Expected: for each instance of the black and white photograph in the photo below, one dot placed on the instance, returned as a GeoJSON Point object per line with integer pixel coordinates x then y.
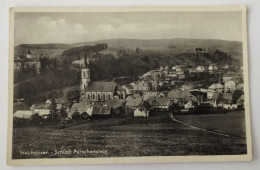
{"type": "Point", "coordinates": [128, 85]}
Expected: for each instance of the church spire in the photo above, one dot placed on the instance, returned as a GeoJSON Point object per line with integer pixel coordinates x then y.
{"type": "Point", "coordinates": [86, 61]}
{"type": "Point", "coordinates": [28, 50]}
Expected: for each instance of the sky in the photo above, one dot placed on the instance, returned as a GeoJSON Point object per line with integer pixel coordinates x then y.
{"type": "Point", "coordinates": [74, 27]}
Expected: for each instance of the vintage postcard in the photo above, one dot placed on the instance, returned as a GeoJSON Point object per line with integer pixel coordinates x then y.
{"type": "Point", "coordinates": [128, 85]}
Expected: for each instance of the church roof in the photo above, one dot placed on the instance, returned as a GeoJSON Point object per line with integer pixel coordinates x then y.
{"type": "Point", "coordinates": [97, 86]}
{"type": "Point", "coordinates": [216, 86]}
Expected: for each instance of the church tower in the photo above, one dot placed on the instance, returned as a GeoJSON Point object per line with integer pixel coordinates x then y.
{"type": "Point", "coordinates": [28, 54]}
{"type": "Point", "coordinates": [85, 75]}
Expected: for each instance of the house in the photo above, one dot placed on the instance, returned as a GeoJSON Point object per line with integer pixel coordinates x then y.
{"type": "Point", "coordinates": [231, 85]}
{"type": "Point", "coordinates": [20, 106]}
{"type": "Point", "coordinates": [148, 95]}
{"type": "Point", "coordinates": [192, 70]}
{"type": "Point", "coordinates": [181, 76]}
{"type": "Point", "coordinates": [141, 87]}
{"type": "Point", "coordinates": [83, 108]}
{"type": "Point", "coordinates": [101, 110]}
{"type": "Point", "coordinates": [215, 100]}
{"type": "Point", "coordinates": [178, 68]}
{"type": "Point", "coordinates": [230, 106]}
{"type": "Point", "coordinates": [226, 66]}
{"type": "Point", "coordinates": [227, 97]}
{"type": "Point", "coordinates": [213, 67]}
{"type": "Point", "coordinates": [154, 85]}
{"type": "Point", "coordinates": [229, 76]}
{"type": "Point", "coordinates": [134, 101]}
{"type": "Point", "coordinates": [178, 96]}
{"type": "Point", "coordinates": [142, 110]}
{"type": "Point", "coordinates": [190, 104]}
{"type": "Point", "coordinates": [43, 110]}
{"type": "Point", "coordinates": [210, 94]}
{"type": "Point", "coordinates": [78, 63]}
{"type": "Point", "coordinates": [23, 114]}
{"type": "Point", "coordinates": [115, 104]}
{"type": "Point", "coordinates": [200, 68]}
{"type": "Point", "coordinates": [240, 101]}
{"type": "Point", "coordinates": [216, 87]}
{"type": "Point", "coordinates": [201, 96]}
{"type": "Point", "coordinates": [158, 102]}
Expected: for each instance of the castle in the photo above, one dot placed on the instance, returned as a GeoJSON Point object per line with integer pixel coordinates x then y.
{"type": "Point", "coordinates": [28, 62]}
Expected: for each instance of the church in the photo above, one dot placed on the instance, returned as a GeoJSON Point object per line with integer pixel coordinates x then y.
{"type": "Point", "coordinates": [98, 91]}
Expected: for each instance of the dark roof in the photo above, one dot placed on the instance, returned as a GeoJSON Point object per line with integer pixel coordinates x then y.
{"type": "Point", "coordinates": [97, 86]}
{"type": "Point", "coordinates": [20, 106]}
{"type": "Point", "coordinates": [227, 97]}
{"type": "Point", "coordinates": [145, 105]}
{"type": "Point", "coordinates": [178, 94]}
{"type": "Point", "coordinates": [158, 101]}
{"type": "Point", "coordinates": [114, 103]}
{"type": "Point", "coordinates": [101, 110]}
{"type": "Point", "coordinates": [43, 106]}
{"type": "Point", "coordinates": [240, 99]}
{"type": "Point", "coordinates": [237, 80]}
{"type": "Point", "coordinates": [216, 96]}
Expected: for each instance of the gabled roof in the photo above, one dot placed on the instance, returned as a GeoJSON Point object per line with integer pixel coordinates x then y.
{"type": "Point", "coordinates": [216, 86]}
{"type": "Point", "coordinates": [216, 96]}
{"type": "Point", "coordinates": [79, 107]}
{"type": "Point", "coordinates": [20, 106]}
{"type": "Point", "coordinates": [240, 99]}
{"type": "Point", "coordinates": [134, 101]}
{"type": "Point", "coordinates": [23, 114]}
{"type": "Point", "coordinates": [101, 110]}
{"type": "Point", "coordinates": [145, 105]}
{"type": "Point", "coordinates": [237, 80]}
{"type": "Point", "coordinates": [158, 101]}
{"type": "Point", "coordinates": [147, 95]}
{"type": "Point", "coordinates": [178, 94]}
{"type": "Point", "coordinates": [114, 103]}
{"type": "Point", "coordinates": [96, 86]}
{"type": "Point", "coordinates": [43, 106]}
{"type": "Point", "coordinates": [227, 97]}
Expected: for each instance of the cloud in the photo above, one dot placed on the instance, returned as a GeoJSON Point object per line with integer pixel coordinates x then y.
{"type": "Point", "coordinates": [78, 27]}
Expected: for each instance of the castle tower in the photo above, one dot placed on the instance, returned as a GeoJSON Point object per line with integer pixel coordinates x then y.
{"type": "Point", "coordinates": [28, 54]}
{"type": "Point", "coordinates": [85, 75]}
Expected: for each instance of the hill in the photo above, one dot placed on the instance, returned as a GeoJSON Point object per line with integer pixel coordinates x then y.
{"type": "Point", "coordinates": [164, 44]}
{"type": "Point", "coordinates": [51, 50]}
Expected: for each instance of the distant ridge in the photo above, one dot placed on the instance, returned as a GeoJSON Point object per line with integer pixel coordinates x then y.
{"type": "Point", "coordinates": [162, 44]}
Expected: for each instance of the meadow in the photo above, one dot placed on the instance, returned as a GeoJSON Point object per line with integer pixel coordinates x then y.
{"type": "Point", "coordinates": [138, 137]}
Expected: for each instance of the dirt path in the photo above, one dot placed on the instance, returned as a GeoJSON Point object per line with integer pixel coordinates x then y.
{"type": "Point", "coordinates": [203, 129]}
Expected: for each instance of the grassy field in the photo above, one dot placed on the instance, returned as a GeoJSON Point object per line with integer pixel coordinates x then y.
{"type": "Point", "coordinates": [104, 138]}
{"type": "Point", "coordinates": [232, 123]}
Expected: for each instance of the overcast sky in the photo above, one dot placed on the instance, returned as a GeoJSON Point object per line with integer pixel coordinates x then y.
{"type": "Point", "coordinates": [81, 27]}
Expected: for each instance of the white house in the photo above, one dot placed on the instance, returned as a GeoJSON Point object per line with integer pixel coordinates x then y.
{"type": "Point", "coordinates": [141, 112]}
{"type": "Point", "coordinates": [229, 106]}
{"type": "Point", "coordinates": [23, 114]}
{"type": "Point", "coordinates": [212, 67]}
{"type": "Point", "coordinates": [43, 110]}
{"type": "Point", "coordinates": [189, 105]}
{"type": "Point", "coordinates": [229, 76]}
{"type": "Point", "coordinates": [200, 68]}
{"type": "Point", "coordinates": [231, 85]}
{"type": "Point", "coordinates": [216, 87]}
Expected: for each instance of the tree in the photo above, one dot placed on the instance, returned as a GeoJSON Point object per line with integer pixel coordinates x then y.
{"type": "Point", "coordinates": [53, 108]}
{"type": "Point", "coordinates": [236, 95]}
